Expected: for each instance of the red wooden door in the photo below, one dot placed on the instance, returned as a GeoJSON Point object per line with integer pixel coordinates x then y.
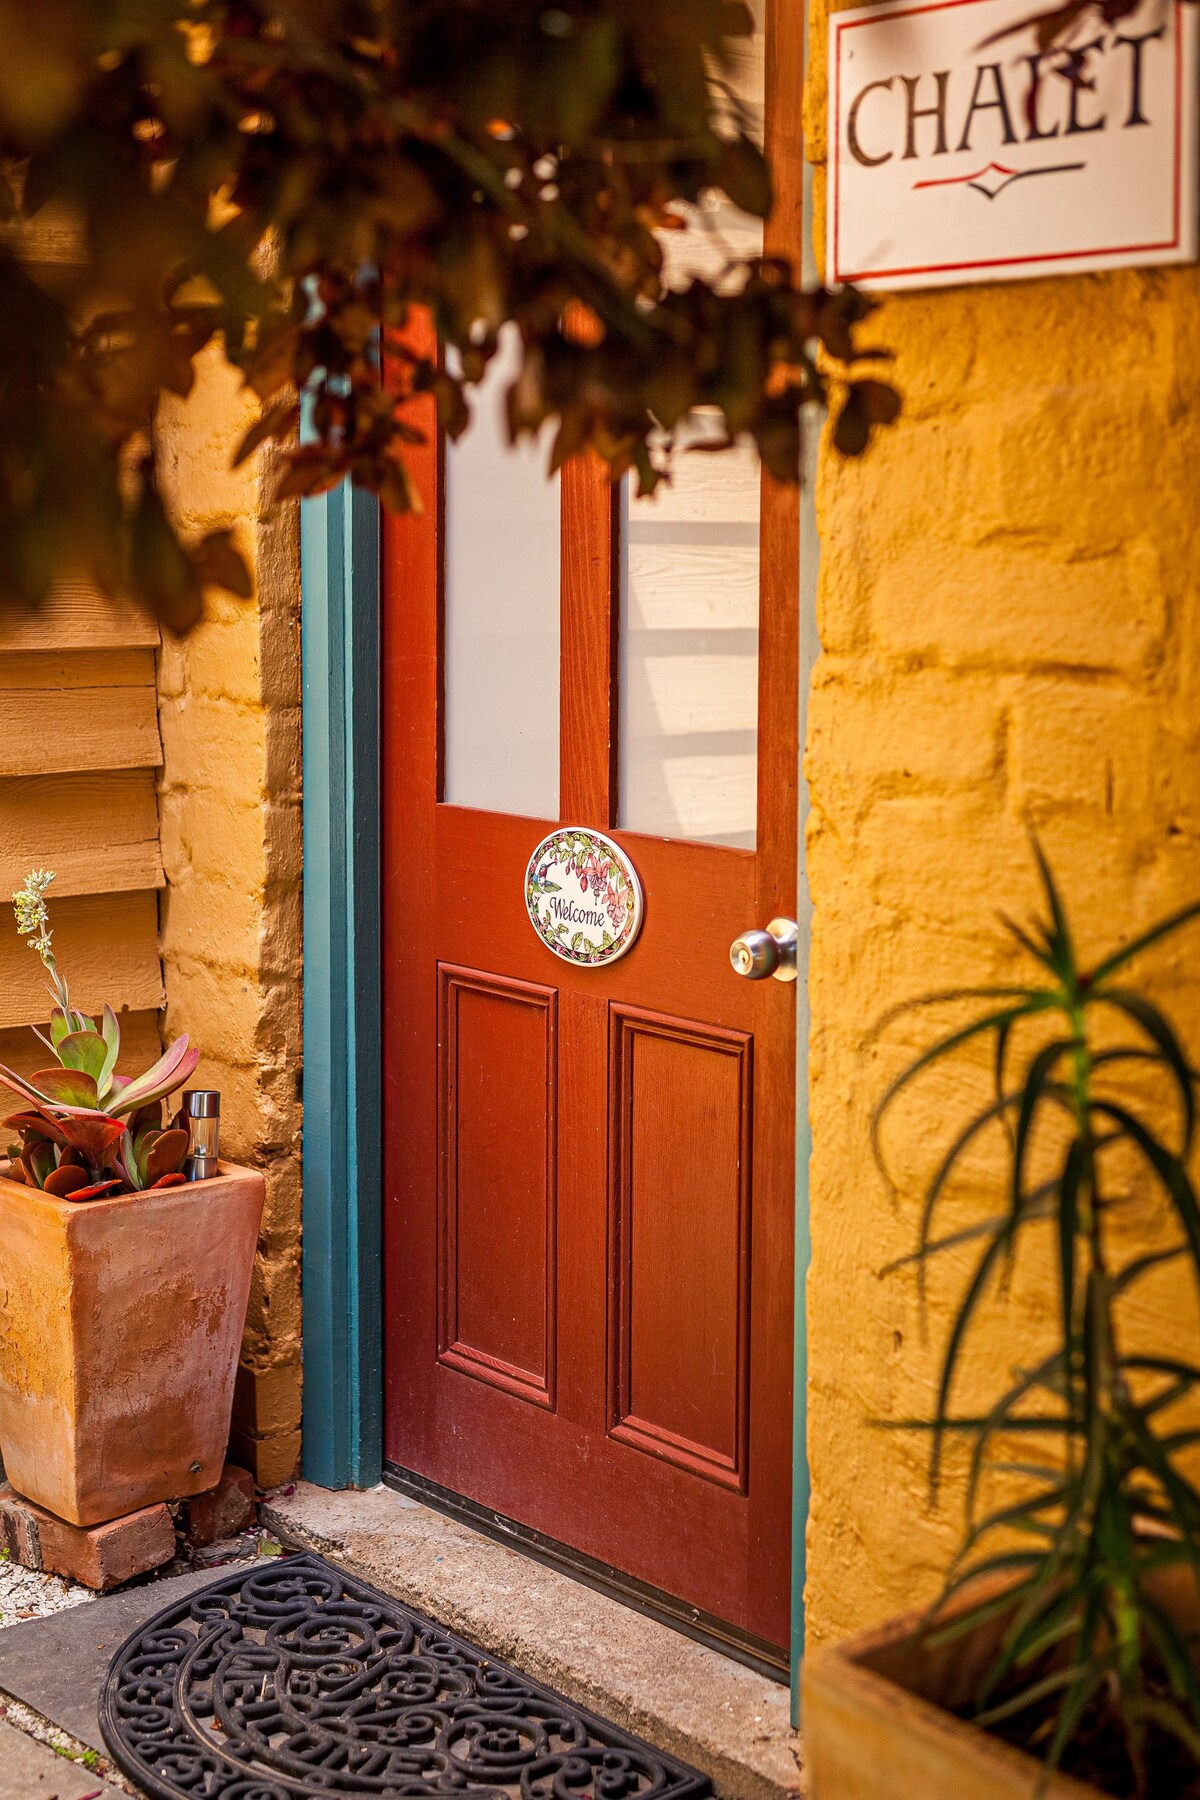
{"type": "Point", "coordinates": [589, 1171]}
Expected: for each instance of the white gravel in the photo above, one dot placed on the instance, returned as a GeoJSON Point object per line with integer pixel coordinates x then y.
{"type": "Point", "coordinates": [24, 1594]}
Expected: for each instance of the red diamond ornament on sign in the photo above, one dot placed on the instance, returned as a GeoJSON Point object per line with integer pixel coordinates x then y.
{"type": "Point", "coordinates": [583, 896]}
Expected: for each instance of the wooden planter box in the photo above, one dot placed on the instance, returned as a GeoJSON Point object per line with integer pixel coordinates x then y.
{"type": "Point", "coordinates": [878, 1723]}
{"type": "Point", "coordinates": [120, 1326]}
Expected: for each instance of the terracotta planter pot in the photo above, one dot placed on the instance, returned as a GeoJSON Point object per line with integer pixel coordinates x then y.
{"type": "Point", "coordinates": [120, 1328]}
{"type": "Point", "coordinates": [878, 1721]}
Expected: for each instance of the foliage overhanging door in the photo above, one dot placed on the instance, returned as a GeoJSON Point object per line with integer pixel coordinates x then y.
{"type": "Point", "coordinates": [589, 1181]}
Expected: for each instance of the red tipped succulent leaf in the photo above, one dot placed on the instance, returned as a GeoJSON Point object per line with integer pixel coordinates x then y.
{"type": "Point", "coordinates": [65, 1180]}
{"type": "Point", "coordinates": [38, 1124]}
{"type": "Point", "coordinates": [125, 1159]}
{"type": "Point", "coordinates": [37, 1160]}
{"type": "Point", "coordinates": [171, 1070]}
{"type": "Point", "coordinates": [101, 1189]}
{"type": "Point", "coordinates": [18, 1085]}
{"type": "Point", "coordinates": [95, 1134]}
{"type": "Point", "coordinates": [84, 1050]}
{"type": "Point", "coordinates": [146, 1118]}
{"type": "Point", "coordinates": [164, 1156]}
{"type": "Point", "coordinates": [68, 1087]}
{"type": "Point", "coordinates": [110, 1031]}
{"type": "Point", "coordinates": [175, 1179]}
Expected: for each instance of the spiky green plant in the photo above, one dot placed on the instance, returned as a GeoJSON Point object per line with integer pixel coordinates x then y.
{"type": "Point", "coordinates": [1072, 1569]}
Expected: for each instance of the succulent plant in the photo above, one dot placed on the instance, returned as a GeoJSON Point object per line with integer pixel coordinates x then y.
{"type": "Point", "coordinates": [87, 1131]}
{"type": "Point", "coordinates": [148, 1155]}
{"type": "Point", "coordinates": [86, 1081]}
{"type": "Point", "coordinates": [70, 1158]}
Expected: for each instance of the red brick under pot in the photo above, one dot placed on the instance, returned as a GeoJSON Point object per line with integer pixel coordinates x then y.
{"type": "Point", "coordinates": [119, 1336]}
{"type": "Point", "coordinates": [222, 1512]}
{"type": "Point", "coordinates": [99, 1556]}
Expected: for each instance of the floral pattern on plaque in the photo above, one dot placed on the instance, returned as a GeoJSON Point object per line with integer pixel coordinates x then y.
{"type": "Point", "coordinates": [583, 896]}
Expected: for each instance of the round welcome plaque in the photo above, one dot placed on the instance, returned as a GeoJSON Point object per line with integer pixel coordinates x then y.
{"type": "Point", "coordinates": [583, 896]}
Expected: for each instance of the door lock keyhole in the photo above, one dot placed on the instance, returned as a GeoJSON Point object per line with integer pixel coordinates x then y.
{"type": "Point", "coordinates": [757, 954]}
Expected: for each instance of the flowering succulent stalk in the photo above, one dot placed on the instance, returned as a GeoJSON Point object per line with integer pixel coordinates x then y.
{"type": "Point", "coordinates": [33, 924]}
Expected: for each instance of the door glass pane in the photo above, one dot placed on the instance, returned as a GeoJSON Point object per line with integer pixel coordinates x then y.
{"type": "Point", "coordinates": [689, 650]}
{"type": "Point", "coordinates": [502, 598]}
{"type": "Point", "coordinates": [688, 716]}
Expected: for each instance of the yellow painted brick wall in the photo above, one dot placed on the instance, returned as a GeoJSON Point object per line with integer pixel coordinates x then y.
{"type": "Point", "coordinates": [229, 711]}
{"type": "Point", "coordinates": [1010, 626]}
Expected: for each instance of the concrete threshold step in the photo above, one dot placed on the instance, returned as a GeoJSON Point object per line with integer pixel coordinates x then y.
{"type": "Point", "coordinates": [691, 1701]}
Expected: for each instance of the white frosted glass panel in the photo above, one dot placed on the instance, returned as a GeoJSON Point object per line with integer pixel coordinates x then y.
{"type": "Point", "coordinates": [689, 650]}
{"type": "Point", "coordinates": [689, 580]}
{"type": "Point", "coordinates": [719, 233]}
{"type": "Point", "coordinates": [502, 599]}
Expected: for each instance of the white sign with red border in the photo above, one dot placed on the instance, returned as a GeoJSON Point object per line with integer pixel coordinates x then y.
{"type": "Point", "coordinates": [959, 152]}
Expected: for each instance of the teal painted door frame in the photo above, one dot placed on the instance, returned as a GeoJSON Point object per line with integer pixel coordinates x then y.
{"type": "Point", "coordinates": [343, 1330]}
{"type": "Point", "coordinates": [343, 1200]}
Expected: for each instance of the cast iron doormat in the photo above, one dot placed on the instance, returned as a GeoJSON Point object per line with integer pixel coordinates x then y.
{"type": "Point", "coordinates": [296, 1680]}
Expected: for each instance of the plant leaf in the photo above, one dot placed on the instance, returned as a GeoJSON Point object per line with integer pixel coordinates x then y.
{"type": "Point", "coordinates": [1068, 1225]}
{"type": "Point", "coordinates": [37, 1124]}
{"type": "Point", "coordinates": [742, 170]}
{"type": "Point", "coordinates": [171, 1070]}
{"type": "Point", "coordinates": [110, 1031]}
{"type": "Point", "coordinates": [1032, 1091]}
{"type": "Point", "coordinates": [1163, 929]}
{"type": "Point", "coordinates": [68, 1087]}
{"type": "Point", "coordinates": [98, 1191]}
{"type": "Point", "coordinates": [1142, 1264]}
{"type": "Point", "coordinates": [65, 1179]}
{"type": "Point", "coordinates": [958, 1331]}
{"type": "Point", "coordinates": [93, 1134]}
{"type": "Point", "coordinates": [165, 1155]}
{"type": "Point", "coordinates": [1152, 1022]}
{"type": "Point", "coordinates": [1058, 938]}
{"type": "Point", "coordinates": [936, 1051]}
{"type": "Point", "coordinates": [84, 1050]}
{"type": "Point", "coordinates": [1166, 1165]}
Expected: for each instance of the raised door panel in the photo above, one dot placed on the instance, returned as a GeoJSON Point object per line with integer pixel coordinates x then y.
{"type": "Point", "coordinates": [680, 1331]}
{"type": "Point", "coordinates": [497, 1111]}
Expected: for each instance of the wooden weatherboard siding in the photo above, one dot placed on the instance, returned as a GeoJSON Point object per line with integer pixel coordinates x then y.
{"type": "Point", "coordinates": [79, 746]}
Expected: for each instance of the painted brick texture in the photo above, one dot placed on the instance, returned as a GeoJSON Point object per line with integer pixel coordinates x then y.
{"type": "Point", "coordinates": [229, 712]}
{"type": "Point", "coordinates": [1010, 624]}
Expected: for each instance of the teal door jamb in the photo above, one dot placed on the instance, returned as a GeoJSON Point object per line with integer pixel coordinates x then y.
{"type": "Point", "coordinates": [343, 1322]}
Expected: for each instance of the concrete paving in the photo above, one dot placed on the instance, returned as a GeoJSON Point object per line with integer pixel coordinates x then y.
{"type": "Point", "coordinates": [32, 1771]}
{"type": "Point", "coordinates": [691, 1701]}
{"type": "Point", "coordinates": [56, 1665]}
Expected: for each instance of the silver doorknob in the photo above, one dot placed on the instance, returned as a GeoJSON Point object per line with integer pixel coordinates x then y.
{"type": "Point", "coordinates": [757, 954]}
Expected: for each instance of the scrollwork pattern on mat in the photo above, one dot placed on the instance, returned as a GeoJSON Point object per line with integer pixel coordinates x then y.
{"type": "Point", "coordinates": [294, 1680]}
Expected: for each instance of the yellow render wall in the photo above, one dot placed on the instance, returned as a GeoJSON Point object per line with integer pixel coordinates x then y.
{"type": "Point", "coordinates": [1009, 616]}
{"type": "Point", "coordinates": [229, 803]}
